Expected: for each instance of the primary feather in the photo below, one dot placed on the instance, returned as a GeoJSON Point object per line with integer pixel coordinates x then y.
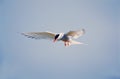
{"type": "Point", "coordinates": [40, 35]}
{"type": "Point", "coordinates": [76, 34]}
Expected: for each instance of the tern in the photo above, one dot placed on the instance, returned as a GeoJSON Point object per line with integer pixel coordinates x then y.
{"type": "Point", "coordinates": [67, 38]}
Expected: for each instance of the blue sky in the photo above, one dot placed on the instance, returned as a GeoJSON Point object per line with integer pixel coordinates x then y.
{"type": "Point", "coordinates": [23, 58]}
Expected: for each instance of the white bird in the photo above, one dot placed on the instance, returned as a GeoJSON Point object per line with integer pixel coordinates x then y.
{"type": "Point", "coordinates": [67, 38]}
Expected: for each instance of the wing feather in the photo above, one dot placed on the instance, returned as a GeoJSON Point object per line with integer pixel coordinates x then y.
{"type": "Point", "coordinates": [76, 34]}
{"type": "Point", "coordinates": [40, 35]}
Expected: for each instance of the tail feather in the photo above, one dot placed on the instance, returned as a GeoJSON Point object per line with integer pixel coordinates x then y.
{"type": "Point", "coordinates": [72, 42]}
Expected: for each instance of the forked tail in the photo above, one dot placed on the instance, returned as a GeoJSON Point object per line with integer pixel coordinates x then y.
{"type": "Point", "coordinates": [72, 42]}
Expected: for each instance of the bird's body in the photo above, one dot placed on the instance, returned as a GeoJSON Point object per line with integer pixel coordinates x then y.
{"type": "Point", "coordinates": [65, 37]}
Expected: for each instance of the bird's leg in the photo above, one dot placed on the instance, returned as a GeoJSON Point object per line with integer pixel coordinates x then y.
{"type": "Point", "coordinates": [68, 43]}
{"type": "Point", "coordinates": [65, 43]}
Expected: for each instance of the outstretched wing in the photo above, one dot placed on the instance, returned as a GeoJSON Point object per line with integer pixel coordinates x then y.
{"type": "Point", "coordinates": [39, 35]}
{"type": "Point", "coordinates": [76, 34]}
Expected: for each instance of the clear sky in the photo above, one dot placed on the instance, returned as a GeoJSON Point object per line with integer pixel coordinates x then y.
{"type": "Point", "coordinates": [23, 58]}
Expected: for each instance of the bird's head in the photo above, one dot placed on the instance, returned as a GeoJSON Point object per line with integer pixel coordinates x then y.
{"type": "Point", "coordinates": [57, 36]}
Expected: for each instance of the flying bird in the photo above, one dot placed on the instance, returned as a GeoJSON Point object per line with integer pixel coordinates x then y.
{"type": "Point", "coordinates": [67, 38]}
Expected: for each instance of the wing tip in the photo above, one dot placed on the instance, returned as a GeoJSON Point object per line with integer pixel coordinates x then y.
{"type": "Point", "coordinates": [24, 34]}
{"type": "Point", "coordinates": [28, 36]}
{"type": "Point", "coordinates": [83, 30]}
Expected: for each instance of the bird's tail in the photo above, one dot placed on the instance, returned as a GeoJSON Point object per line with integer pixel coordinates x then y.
{"type": "Point", "coordinates": [72, 42]}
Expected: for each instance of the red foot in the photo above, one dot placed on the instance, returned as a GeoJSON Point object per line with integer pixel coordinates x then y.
{"type": "Point", "coordinates": [67, 43]}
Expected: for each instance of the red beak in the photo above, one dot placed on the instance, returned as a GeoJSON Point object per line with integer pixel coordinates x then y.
{"type": "Point", "coordinates": [54, 40]}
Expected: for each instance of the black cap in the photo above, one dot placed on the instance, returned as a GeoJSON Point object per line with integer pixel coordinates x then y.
{"type": "Point", "coordinates": [56, 36]}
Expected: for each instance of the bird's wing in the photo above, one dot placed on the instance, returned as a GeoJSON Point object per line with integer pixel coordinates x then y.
{"type": "Point", "coordinates": [76, 34]}
{"type": "Point", "coordinates": [40, 35]}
